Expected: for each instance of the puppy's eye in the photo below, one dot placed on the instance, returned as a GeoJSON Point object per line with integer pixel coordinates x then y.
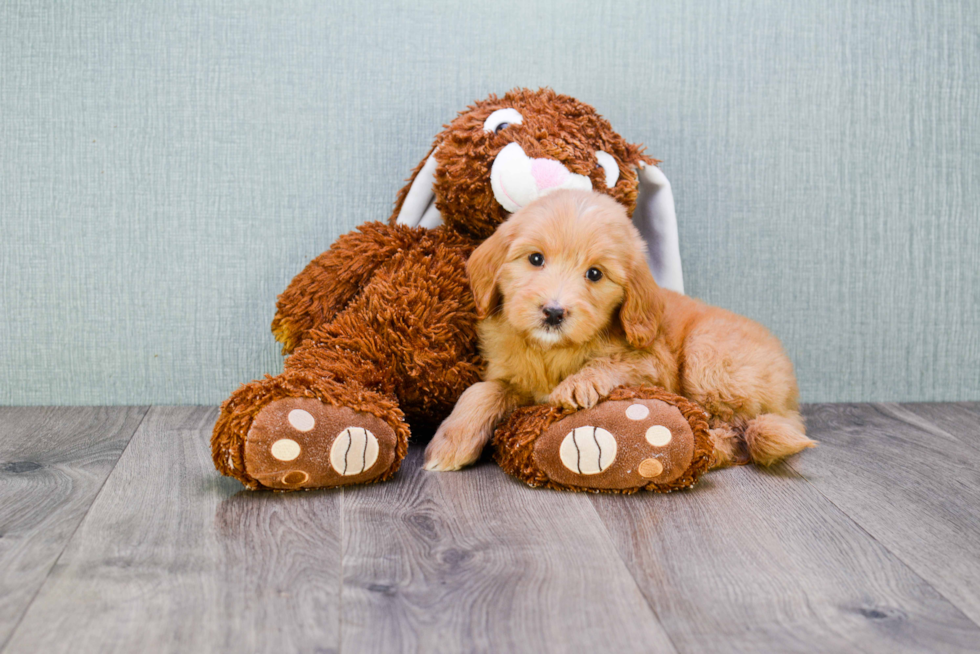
{"type": "Point", "coordinates": [610, 167]}
{"type": "Point", "coordinates": [593, 274]}
{"type": "Point", "coordinates": [537, 260]}
{"type": "Point", "coordinates": [500, 119]}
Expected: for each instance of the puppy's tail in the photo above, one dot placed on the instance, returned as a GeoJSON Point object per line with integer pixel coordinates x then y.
{"type": "Point", "coordinates": [763, 440]}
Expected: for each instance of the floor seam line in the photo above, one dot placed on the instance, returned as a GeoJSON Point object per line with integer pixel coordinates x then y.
{"type": "Point", "coordinates": [636, 583]}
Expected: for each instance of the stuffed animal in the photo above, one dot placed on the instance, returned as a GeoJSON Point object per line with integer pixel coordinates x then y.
{"type": "Point", "coordinates": [381, 329]}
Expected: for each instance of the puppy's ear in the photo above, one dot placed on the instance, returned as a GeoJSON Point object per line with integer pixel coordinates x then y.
{"type": "Point", "coordinates": [484, 266]}
{"type": "Point", "coordinates": [643, 306]}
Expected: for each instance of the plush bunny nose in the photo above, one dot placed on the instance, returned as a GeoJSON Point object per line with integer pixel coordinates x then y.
{"type": "Point", "coordinates": [548, 173]}
{"type": "Point", "coordinates": [518, 180]}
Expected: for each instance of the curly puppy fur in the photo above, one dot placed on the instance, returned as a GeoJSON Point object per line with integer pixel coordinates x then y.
{"type": "Point", "coordinates": [572, 312]}
{"type": "Point", "coordinates": [384, 321]}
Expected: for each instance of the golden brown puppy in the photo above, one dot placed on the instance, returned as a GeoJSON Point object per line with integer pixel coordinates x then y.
{"type": "Point", "coordinates": [571, 311]}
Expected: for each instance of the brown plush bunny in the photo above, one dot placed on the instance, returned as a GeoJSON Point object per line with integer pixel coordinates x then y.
{"type": "Point", "coordinates": [380, 329]}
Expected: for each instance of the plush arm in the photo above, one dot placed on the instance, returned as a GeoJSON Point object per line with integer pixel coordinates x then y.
{"type": "Point", "coordinates": [333, 279]}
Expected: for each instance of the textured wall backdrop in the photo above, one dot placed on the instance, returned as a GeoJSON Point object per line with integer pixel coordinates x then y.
{"type": "Point", "coordinates": [166, 169]}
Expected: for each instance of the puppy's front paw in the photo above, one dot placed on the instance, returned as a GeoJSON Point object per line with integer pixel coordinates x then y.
{"type": "Point", "coordinates": [579, 391]}
{"type": "Point", "coordinates": [453, 447]}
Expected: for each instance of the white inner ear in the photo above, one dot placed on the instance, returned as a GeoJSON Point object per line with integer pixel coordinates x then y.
{"type": "Point", "coordinates": [656, 220]}
{"type": "Point", "coordinates": [431, 218]}
{"type": "Point", "coordinates": [501, 116]}
{"type": "Point", "coordinates": [609, 165]}
{"type": "Point", "coordinates": [419, 207]}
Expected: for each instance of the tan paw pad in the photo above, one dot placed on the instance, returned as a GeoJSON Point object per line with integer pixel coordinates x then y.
{"type": "Point", "coordinates": [301, 420]}
{"type": "Point", "coordinates": [650, 468]}
{"type": "Point", "coordinates": [637, 412]}
{"type": "Point", "coordinates": [588, 450]}
{"type": "Point", "coordinates": [295, 478]}
{"type": "Point", "coordinates": [658, 436]}
{"type": "Point", "coordinates": [285, 449]}
{"type": "Point", "coordinates": [354, 451]}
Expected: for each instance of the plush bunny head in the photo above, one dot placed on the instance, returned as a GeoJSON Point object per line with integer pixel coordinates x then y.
{"type": "Point", "coordinates": [502, 153]}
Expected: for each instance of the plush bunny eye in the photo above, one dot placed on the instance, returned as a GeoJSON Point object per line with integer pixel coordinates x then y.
{"type": "Point", "coordinates": [610, 166]}
{"type": "Point", "coordinates": [500, 119]}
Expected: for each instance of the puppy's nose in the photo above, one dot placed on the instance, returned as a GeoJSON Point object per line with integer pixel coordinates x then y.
{"type": "Point", "coordinates": [553, 314]}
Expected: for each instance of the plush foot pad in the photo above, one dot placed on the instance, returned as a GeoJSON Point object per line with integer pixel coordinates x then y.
{"type": "Point", "coordinates": [299, 443]}
{"type": "Point", "coordinates": [636, 439]}
{"type": "Point", "coordinates": [638, 442]}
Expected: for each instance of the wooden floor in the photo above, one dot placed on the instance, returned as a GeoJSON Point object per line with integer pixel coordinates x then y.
{"type": "Point", "coordinates": [116, 534]}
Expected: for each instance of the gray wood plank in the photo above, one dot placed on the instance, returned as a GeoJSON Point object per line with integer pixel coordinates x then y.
{"type": "Point", "coordinates": [53, 461]}
{"type": "Point", "coordinates": [757, 561]}
{"type": "Point", "coordinates": [959, 420]}
{"type": "Point", "coordinates": [476, 561]}
{"type": "Point", "coordinates": [173, 558]}
{"type": "Point", "coordinates": [911, 484]}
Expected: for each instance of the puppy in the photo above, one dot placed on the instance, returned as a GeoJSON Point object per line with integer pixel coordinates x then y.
{"type": "Point", "coordinates": [570, 311]}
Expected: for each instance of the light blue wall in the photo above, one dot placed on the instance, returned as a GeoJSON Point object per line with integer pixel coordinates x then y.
{"type": "Point", "coordinates": [166, 169]}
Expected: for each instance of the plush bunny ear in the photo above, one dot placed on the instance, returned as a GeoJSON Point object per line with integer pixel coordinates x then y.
{"type": "Point", "coordinates": [654, 216]}
{"type": "Point", "coordinates": [418, 209]}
